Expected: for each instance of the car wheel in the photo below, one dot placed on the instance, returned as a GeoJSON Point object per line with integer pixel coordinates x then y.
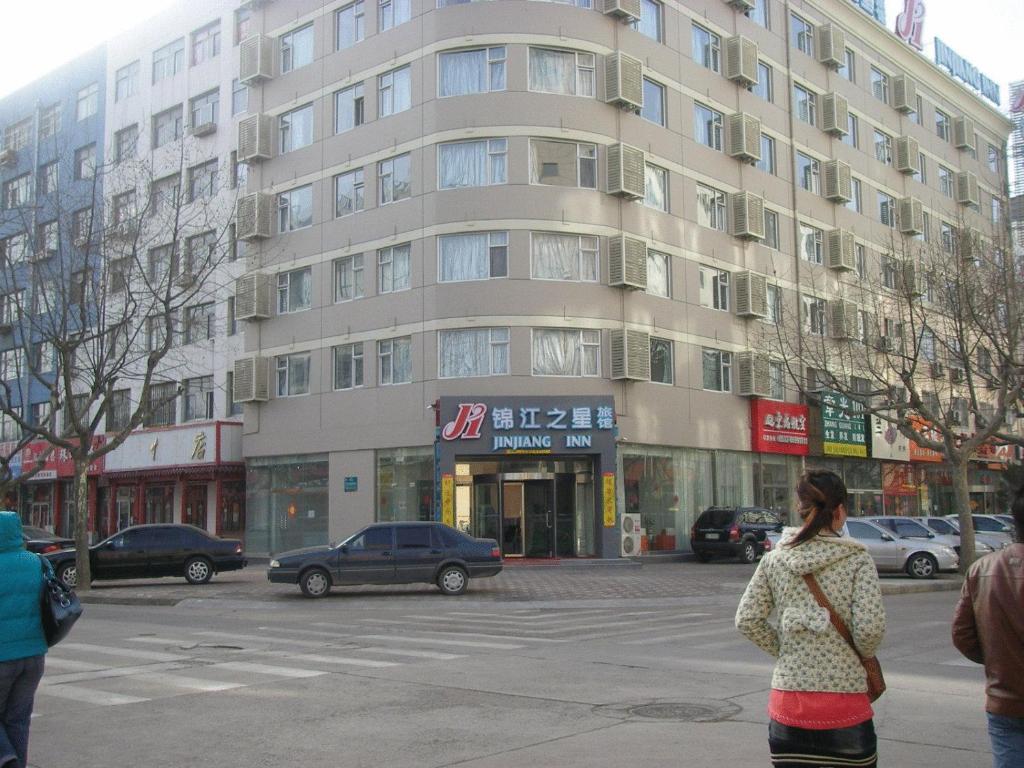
{"type": "Point", "coordinates": [452, 580]}
{"type": "Point", "coordinates": [315, 582]}
{"type": "Point", "coordinates": [748, 551]}
{"type": "Point", "coordinates": [198, 570]}
{"type": "Point", "coordinates": [922, 566]}
{"type": "Point", "coordinates": [68, 574]}
{"type": "Point", "coordinates": [702, 557]}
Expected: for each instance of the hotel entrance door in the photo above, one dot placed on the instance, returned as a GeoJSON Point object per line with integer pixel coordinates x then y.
{"type": "Point", "coordinates": [520, 510]}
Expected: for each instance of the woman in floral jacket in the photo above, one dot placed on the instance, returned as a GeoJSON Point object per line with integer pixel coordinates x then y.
{"type": "Point", "coordinates": [819, 707]}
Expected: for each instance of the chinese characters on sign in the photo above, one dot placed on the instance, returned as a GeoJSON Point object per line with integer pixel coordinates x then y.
{"type": "Point", "coordinates": [778, 427]}
{"type": "Point", "coordinates": [910, 23]}
{"type": "Point", "coordinates": [529, 427]}
{"type": "Point", "coordinates": [842, 424]}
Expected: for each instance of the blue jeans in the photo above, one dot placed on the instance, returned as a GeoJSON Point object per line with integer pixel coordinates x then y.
{"type": "Point", "coordinates": [18, 682]}
{"type": "Point", "coordinates": [1007, 735]}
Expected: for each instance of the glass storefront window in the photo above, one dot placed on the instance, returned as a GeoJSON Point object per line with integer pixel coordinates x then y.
{"type": "Point", "coordinates": [286, 503]}
{"type": "Point", "coordinates": [775, 478]}
{"type": "Point", "coordinates": [159, 501]}
{"type": "Point", "coordinates": [734, 479]}
{"type": "Point", "coordinates": [39, 506]}
{"type": "Point", "coordinates": [405, 484]}
{"type": "Point", "coordinates": [231, 515]}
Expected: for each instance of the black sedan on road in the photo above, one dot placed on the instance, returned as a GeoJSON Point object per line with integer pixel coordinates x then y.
{"type": "Point", "coordinates": [151, 551]}
{"type": "Point", "coordinates": [41, 541]}
{"type": "Point", "coordinates": [390, 553]}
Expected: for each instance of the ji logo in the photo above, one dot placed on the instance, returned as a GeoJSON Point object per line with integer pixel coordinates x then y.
{"type": "Point", "coordinates": [910, 23]}
{"type": "Point", "coordinates": [467, 422]}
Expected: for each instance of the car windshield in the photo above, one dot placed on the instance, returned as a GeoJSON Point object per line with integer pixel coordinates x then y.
{"type": "Point", "coordinates": [942, 526]}
{"type": "Point", "coordinates": [35, 533]}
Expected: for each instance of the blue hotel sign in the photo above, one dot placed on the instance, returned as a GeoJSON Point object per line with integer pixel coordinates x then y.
{"type": "Point", "coordinates": [873, 8]}
{"type": "Point", "coordinates": [963, 70]}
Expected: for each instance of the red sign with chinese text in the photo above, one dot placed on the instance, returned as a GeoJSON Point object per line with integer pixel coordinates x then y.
{"type": "Point", "coordinates": [779, 427]}
{"type": "Point", "coordinates": [899, 479]}
{"type": "Point", "coordinates": [59, 462]}
{"type": "Point", "coordinates": [917, 453]}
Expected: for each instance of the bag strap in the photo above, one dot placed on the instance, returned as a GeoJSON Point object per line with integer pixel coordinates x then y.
{"type": "Point", "coordinates": [838, 623]}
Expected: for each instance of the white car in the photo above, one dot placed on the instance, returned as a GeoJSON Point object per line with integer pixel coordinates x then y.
{"type": "Point", "coordinates": [919, 558]}
{"type": "Point", "coordinates": [983, 543]}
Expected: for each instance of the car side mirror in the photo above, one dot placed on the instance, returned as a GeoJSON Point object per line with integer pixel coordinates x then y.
{"type": "Point", "coordinates": [887, 537]}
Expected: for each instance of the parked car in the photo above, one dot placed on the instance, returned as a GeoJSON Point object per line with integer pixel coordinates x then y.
{"type": "Point", "coordinates": [41, 541]}
{"type": "Point", "coordinates": [919, 558]}
{"type": "Point", "coordinates": [1008, 519]}
{"type": "Point", "coordinates": [151, 551]}
{"type": "Point", "coordinates": [990, 526]}
{"type": "Point", "coordinates": [983, 543]}
{"type": "Point", "coordinates": [390, 553]}
{"type": "Point", "coordinates": [915, 529]}
{"type": "Point", "coordinates": [738, 532]}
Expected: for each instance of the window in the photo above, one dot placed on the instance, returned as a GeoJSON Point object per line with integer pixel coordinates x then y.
{"type": "Point", "coordinates": [654, 102]}
{"type": "Point", "coordinates": [49, 121]}
{"type": "Point", "coordinates": [169, 60]}
{"type": "Point", "coordinates": [656, 187]}
{"type": "Point", "coordinates": [808, 173]}
{"type": "Point", "coordinates": [393, 268]}
{"type": "Point", "coordinates": [17, 191]}
{"type": "Point", "coordinates": [296, 129]}
{"type": "Point", "coordinates": [167, 127]}
{"type": "Point", "coordinates": [295, 209]}
{"type": "Point", "coordinates": [296, 48]}
{"type": "Point", "coordinates": [472, 163]}
{"type": "Point", "coordinates": [88, 101]}
{"type": "Point", "coordinates": [811, 244]}
{"type": "Point", "coordinates": [232, 321]}
{"type": "Point", "coordinates": [201, 252]}
{"type": "Point", "coordinates": [711, 207]}
{"type": "Point", "coordinates": [921, 174]}
{"type": "Point", "coordinates": [124, 209]}
{"type": "Point", "coordinates": [765, 87]}
{"type": "Point", "coordinates": [473, 352]}
{"type": "Point", "coordinates": [239, 97]}
{"type": "Point", "coordinates": [928, 344]}
{"type": "Point", "coordinates": [394, 360]}
{"type": "Point", "coordinates": [771, 229]}
{"type": "Point", "coordinates": [880, 85]}
{"type": "Point", "coordinates": [348, 366]}
{"type": "Point", "coordinates": [202, 180]}
{"type": "Point", "coordinates": [348, 108]}
{"type": "Point", "coordinates": [14, 249]}
{"type": "Point", "coordinates": [162, 406]}
{"type": "Point", "coordinates": [566, 352]}
{"type": "Point", "coordinates": [206, 43]}
{"type": "Point", "coordinates": [394, 91]}
{"type": "Point", "coordinates": [887, 209]}
{"type": "Point", "coordinates": [802, 34]}
{"type": "Point", "coordinates": [650, 19]}
{"type": "Point", "coordinates": [567, 72]}
{"type": "Point", "coordinates": [47, 238]}
{"type": "Point", "coordinates": [714, 288]}
{"type": "Point", "coordinates": [861, 257]}
{"type": "Point", "coordinates": [394, 177]}
{"type": "Point", "coordinates": [661, 361]}
{"type": "Point", "coordinates": [126, 81]}
{"type": "Point", "coordinates": [119, 410]}
{"type": "Point", "coordinates": [199, 398]}
{"type": "Point", "coordinates": [12, 365]}
{"type": "Point", "coordinates": [883, 147]}
{"type": "Point", "coordinates": [125, 143]}
{"type": "Point", "coordinates": [475, 256]}
{"type": "Point", "coordinates": [348, 278]}
{"type": "Point", "coordinates": [294, 290]}
{"type": "Point", "coordinates": [852, 137]}
{"type": "Point", "coordinates": [993, 159]}
{"type": "Point", "coordinates": [942, 124]}
{"type": "Point", "coordinates": [658, 273]}
{"type": "Point", "coordinates": [564, 257]}
{"type": "Point", "coordinates": [471, 71]}
{"type": "Point", "coordinates": [391, 13]}
{"type": "Point", "coordinates": [997, 210]}
{"type": "Point", "coordinates": [849, 68]}
{"type": "Point", "coordinates": [81, 220]}
{"type": "Point", "coordinates": [293, 375]}
{"type": "Point", "coordinates": [805, 103]}
{"type": "Point", "coordinates": [48, 178]}
{"type": "Point", "coordinates": [890, 272]}
{"type": "Point", "coordinates": [163, 261]}
{"type": "Point", "coordinates": [706, 48]}
{"type": "Point", "coordinates": [10, 429]}
{"type": "Point", "coordinates": [717, 370]}
{"type": "Point", "coordinates": [243, 24]}
{"type": "Point", "coordinates": [349, 25]}
{"type": "Point", "coordinates": [945, 181]}
{"type": "Point", "coordinates": [205, 108]}
{"type": "Point", "coordinates": [16, 135]}
{"type": "Point", "coordinates": [759, 14]}
{"type": "Point", "coordinates": [777, 380]}
{"type": "Point", "coordinates": [854, 203]}
{"type": "Point", "coordinates": [814, 315]}
{"type": "Point", "coordinates": [767, 161]}
{"type": "Point", "coordinates": [10, 307]}
{"type": "Point", "coordinates": [563, 163]}
{"type": "Point", "coordinates": [164, 193]}
{"type": "Point", "coordinates": [774, 305]}
{"type": "Point", "coordinates": [348, 192]}
{"type": "Point", "coordinates": [707, 126]}
{"type": "Point", "coordinates": [85, 162]}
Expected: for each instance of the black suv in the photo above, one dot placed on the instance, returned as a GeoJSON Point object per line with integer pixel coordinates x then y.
{"type": "Point", "coordinates": [738, 532]}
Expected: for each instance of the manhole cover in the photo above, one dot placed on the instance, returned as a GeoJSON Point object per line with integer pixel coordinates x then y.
{"type": "Point", "coordinates": [702, 711]}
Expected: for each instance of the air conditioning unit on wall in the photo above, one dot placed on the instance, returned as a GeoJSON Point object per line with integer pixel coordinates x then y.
{"type": "Point", "coordinates": [632, 534]}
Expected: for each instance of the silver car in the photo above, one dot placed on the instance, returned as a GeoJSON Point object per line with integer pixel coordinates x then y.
{"type": "Point", "coordinates": [983, 543]}
{"type": "Point", "coordinates": [991, 527]}
{"type": "Point", "coordinates": [919, 558]}
{"type": "Point", "coordinates": [912, 529]}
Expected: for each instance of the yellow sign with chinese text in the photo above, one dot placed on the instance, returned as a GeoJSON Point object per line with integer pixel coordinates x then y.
{"type": "Point", "coordinates": [609, 499]}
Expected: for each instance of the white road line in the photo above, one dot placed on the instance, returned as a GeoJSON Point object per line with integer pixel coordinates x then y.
{"type": "Point", "coordinates": [160, 640]}
{"type": "Point", "coordinates": [128, 653]}
{"type": "Point", "coordinates": [267, 669]}
{"type": "Point", "coordinates": [318, 658]}
{"type": "Point", "coordinates": [552, 625]}
{"type": "Point", "coordinates": [635, 626]}
{"type": "Point", "coordinates": [264, 639]}
{"type": "Point", "coordinates": [730, 629]}
{"type": "Point", "coordinates": [536, 617]}
{"type": "Point", "coordinates": [312, 632]}
{"type": "Point", "coordinates": [414, 654]}
{"type": "Point", "coordinates": [183, 681]}
{"type": "Point", "coordinates": [444, 641]}
{"type": "Point", "coordinates": [55, 662]}
{"type": "Point", "coordinates": [108, 673]}
{"type": "Point", "coordinates": [88, 695]}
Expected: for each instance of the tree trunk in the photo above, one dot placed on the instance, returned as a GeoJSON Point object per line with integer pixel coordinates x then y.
{"type": "Point", "coordinates": [81, 486]}
{"type": "Point", "coordinates": [962, 499]}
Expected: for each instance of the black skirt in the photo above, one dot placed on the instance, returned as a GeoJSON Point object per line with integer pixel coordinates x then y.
{"type": "Point", "coordinates": [854, 747]}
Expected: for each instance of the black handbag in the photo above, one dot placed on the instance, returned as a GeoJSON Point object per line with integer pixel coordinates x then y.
{"type": "Point", "coordinates": [60, 607]}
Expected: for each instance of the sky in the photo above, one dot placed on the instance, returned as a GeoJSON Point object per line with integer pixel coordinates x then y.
{"type": "Point", "coordinates": [988, 33]}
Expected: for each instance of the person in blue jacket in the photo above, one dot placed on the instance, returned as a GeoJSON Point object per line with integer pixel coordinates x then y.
{"type": "Point", "coordinates": [22, 643]}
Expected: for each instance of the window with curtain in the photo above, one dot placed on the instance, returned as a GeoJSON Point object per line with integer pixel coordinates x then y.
{"type": "Point", "coordinates": [563, 163]}
{"type": "Point", "coordinates": [296, 129]}
{"type": "Point", "coordinates": [814, 315]}
{"type": "Point", "coordinates": [805, 104]}
{"type": "Point", "coordinates": [393, 268]}
{"type": "Point", "coordinates": [661, 361]}
{"type": "Point", "coordinates": [348, 278]}
{"type": "Point", "coordinates": [707, 126]}
{"type": "Point", "coordinates": [802, 34]}
{"type": "Point", "coordinates": [767, 161]}
{"type": "Point", "coordinates": [348, 192]}
{"type": "Point", "coordinates": [764, 87]}
{"type": "Point", "coordinates": [559, 71]}
{"type": "Point", "coordinates": [658, 273]}
{"type": "Point", "coordinates": [707, 48]}
{"type": "Point", "coordinates": [297, 48]}
{"type": "Point", "coordinates": [294, 290]}
{"type": "Point", "coordinates": [564, 257]}
{"type": "Point", "coordinates": [293, 374]}
{"type": "Point", "coordinates": [811, 244]}
{"type": "Point", "coordinates": [394, 360]}
{"type": "Point", "coordinates": [472, 163]}
{"type": "Point", "coordinates": [391, 13]}
{"type": "Point", "coordinates": [852, 136]}
{"type": "Point", "coordinates": [649, 22]}
{"type": "Point", "coordinates": [473, 256]}
{"type": "Point", "coordinates": [348, 366]}
{"type": "Point", "coordinates": [759, 14]}
{"type": "Point", "coordinates": [887, 209]}
{"type": "Point", "coordinates": [717, 370]}
{"type": "Point", "coordinates": [348, 108]}
{"type": "Point", "coordinates": [854, 203]}
{"type": "Point", "coordinates": [394, 91]}
{"type": "Point", "coordinates": [349, 25]}
{"type": "Point", "coordinates": [654, 102]}
{"type": "Point", "coordinates": [710, 207]}
{"type": "Point", "coordinates": [808, 172]}
{"type": "Point", "coordinates": [394, 175]}
{"type": "Point", "coordinates": [566, 352]}
{"type": "Point", "coordinates": [771, 229]}
{"type": "Point", "coordinates": [777, 380]}
{"type": "Point", "coordinates": [774, 305]}
{"type": "Point", "coordinates": [473, 352]}
{"type": "Point", "coordinates": [471, 71]}
{"type": "Point", "coordinates": [714, 288]}
{"type": "Point", "coordinates": [656, 191]}
{"type": "Point", "coordinates": [295, 209]}
{"type": "Point", "coordinates": [880, 85]}
{"type": "Point", "coordinates": [883, 147]}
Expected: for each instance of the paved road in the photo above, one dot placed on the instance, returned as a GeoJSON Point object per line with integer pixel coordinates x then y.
{"type": "Point", "coordinates": [413, 679]}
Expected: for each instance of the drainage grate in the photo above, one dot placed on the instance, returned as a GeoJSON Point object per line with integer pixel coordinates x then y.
{"type": "Point", "coordinates": [700, 711]}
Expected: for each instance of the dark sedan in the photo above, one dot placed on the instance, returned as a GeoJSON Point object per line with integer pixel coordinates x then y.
{"type": "Point", "coordinates": [41, 541]}
{"type": "Point", "coordinates": [390, 553]}
{"type": "Point", "coordinates": [151, 551]}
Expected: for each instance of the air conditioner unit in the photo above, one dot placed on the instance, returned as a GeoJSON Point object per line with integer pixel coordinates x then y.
{"type": "Point", "coordinates": [844, 319]}
{"type": "Point", "coordinates": [969, 244]}
{"type": "Point", "coordinates": [887, 344]}
{"type": "Point", "coordinates": [911, 279]}
{"type": "Point", "coordinates": [746, 214]}
{"type": "Point", "coordinates": [904, 94]}
{"type": "Point", "coordinates": [626, 172]}
{"type": "Point", "coordinates": [251, 380]}
{"type": "Point", "coordinates": [967, 188]}
{"type": "Point", "coordinates": [742, 5]}
{"type": "Point", "coordinates": [741, 60]}
{"type": "Point", "coordinates": [252, 296]}
{"type": "Point", "coordinates": [963, 133]}
{"type": "Point", "coordinates": [838, 182]}
{"type": "Point", "coordinates": [627, 262]}
{"type": "Point", "coordinates": [185, 280]}
{"type": "Point", "coordinates": [631, 535]}
{"type": "Point", "coordinates": [253, 216]}
{"type": "Point", "coordinates": [841, 249]}
{"type": "Point", "coordinates": [624, 81]}
{"type": "Point", "coordinates": [910, 216]}
{"type": "Point", "coordinates": [204, 129]}
{"type": "Point", "coordinates": [908, 155]}
{"type": "Point", "coordinates": [255, 59]}
{"type": "Point", "coordinates": [627, 10]}
{"type": "Point", "coordinates": [835, 114]}
{"type": "Point", "coordinates": [8, 157]}
{"type": "Point", "coordinates": [753, 374]}
{"type": "Point", "coordinates": [631, 355]}
{"type": "Point", "coordinates": [937, 370]}
{"type": "Point", "coordinates": [956, 375]}
{"type": "Point", "coordinates": [743, 137]}
{"type": "Point", "coordinates": [254, 138]}
{"type": "Point", "coordinates": [831, 45]}
{"type": "Point", "coordinates": [751, 294]}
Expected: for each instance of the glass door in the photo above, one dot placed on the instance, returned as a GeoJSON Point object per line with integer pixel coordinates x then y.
{"type": "Point", "coordinates": [565, 515]}
{"type": "Point", "coordinates": [512, 529]}
{"type": "Point", "coordinates": [539, 518]}
{"type": "Point", "coordinates": [486, 508]}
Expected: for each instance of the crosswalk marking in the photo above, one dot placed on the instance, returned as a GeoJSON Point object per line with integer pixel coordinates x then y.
{"type": "Point", "coordinates": [265, 639]}
{"type": "Point", "coordinates": [268, 669]}
{"type": "Point", "coordinates": [55, 662]}
{"type": "Point", "coordinates": [129, 653]}
{"type": "Point", "coordinates": [184, 681]}
{"type": "Point", "coordinates": [88, 695]}
{"type": "Point", "coordinates": [413, 654]}
{"type": "Point", "coordinates": [469, 634]}
{"type": "Point", "coordinates": [729, 629]}
{"type": "Point", "coordinates": [317, 658]}
{"type": "Point", "coordinates": [445, 641]}
{"type": "Point", "coordinates": [107, 673]}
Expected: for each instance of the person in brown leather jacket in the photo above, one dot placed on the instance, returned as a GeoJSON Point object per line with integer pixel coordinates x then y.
{"type": "Point", "coordinates": [988, 628]}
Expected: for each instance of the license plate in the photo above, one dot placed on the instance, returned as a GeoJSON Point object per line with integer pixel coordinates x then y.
{"type": "Point", "coordinates": [712, 536]}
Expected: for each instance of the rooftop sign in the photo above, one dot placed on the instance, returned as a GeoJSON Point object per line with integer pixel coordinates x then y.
{"type": "Point", "coordinates": [963, 70]}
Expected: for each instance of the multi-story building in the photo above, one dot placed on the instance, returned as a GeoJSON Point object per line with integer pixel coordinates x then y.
{"type": "Point", "coordinates": [1016, 150]}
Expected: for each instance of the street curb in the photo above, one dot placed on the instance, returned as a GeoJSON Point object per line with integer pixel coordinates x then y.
{"type": "Point", "coordinates": [915, 587]}
{"type": "Point", "coordinates": [104, 600]}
